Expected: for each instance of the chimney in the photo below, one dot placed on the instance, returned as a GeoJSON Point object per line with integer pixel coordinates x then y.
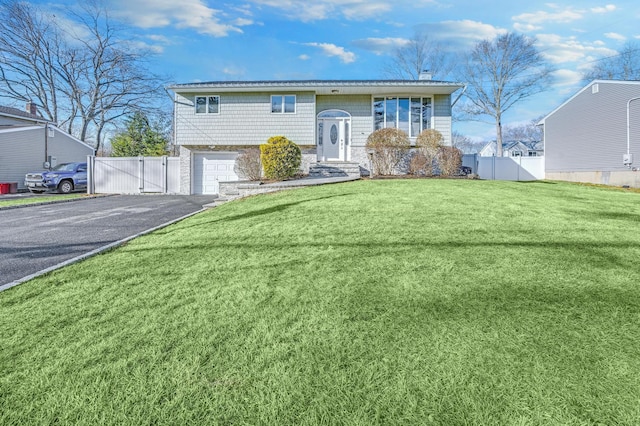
{"type": "Point", "coordinates": [425, 75]}
{"type": "Point", "coordinates": [32, 108]}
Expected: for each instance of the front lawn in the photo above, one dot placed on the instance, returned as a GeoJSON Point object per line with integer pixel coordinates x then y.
{"type": "Point", "coordinates": [372, 302]}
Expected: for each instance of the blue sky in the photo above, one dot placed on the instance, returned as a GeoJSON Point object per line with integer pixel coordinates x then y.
{"type": "Point", "coordinates": [210, 40]}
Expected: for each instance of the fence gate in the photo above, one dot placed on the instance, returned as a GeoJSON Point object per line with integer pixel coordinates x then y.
{"type": "Point", "coordinates": [133, 175]}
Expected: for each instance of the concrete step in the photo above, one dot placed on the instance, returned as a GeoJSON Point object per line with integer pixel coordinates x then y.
{"type": "Point", "coordinates": [334, 169]}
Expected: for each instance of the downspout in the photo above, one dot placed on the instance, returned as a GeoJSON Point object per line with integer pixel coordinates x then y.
{"type": "Point", "coordinates": [46, 143]}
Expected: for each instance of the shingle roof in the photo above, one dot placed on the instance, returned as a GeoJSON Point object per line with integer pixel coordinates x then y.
{"type": "Point", "coordinates": [19, 113]}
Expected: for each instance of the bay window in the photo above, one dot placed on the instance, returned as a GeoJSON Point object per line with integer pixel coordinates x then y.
{"type": "Point", "coordinates": [412, 115]}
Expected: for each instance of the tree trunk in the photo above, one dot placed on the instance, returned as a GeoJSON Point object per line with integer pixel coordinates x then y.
{"type": "Point", "coordinates": [498, 138]}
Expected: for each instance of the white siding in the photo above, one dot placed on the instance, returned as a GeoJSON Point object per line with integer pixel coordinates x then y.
{"type": "Point", "coordinates": [244, 119]}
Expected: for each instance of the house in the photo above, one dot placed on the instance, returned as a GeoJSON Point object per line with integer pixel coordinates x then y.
{"type": "Point", "coordinates": [329, 119]}
{"type": "Point", "coordinates": [28, 140]}
{"type": "Point", "coordinates": [513, 149]}
{"type": "Point", "coordinates": [595, 135]}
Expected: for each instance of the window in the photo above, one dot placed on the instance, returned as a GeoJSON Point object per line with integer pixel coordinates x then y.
{"type": "Point", "coordinates": [207, 104]}
{"type": "Point", "coordinates": [533, 154]}
{"type": "Point", "coordinates": [411, 115]}
{"type": "Point", "coordinates": [283, 104]}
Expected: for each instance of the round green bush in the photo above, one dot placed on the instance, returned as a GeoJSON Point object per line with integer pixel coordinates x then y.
{"type": "Point", "coordinates": [280, 158]}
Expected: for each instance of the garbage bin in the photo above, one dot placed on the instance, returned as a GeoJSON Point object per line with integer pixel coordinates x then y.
{"type": "Point", "coordinates": [4, 188]}
{"type": "Point", "coordinates": [13, 187]}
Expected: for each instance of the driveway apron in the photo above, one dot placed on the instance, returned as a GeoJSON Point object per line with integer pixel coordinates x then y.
{"type": "Point", "coordinates": [35, 238]}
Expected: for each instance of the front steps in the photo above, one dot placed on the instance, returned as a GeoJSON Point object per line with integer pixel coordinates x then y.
{"type": "Point", "coordinates": [334, 169]}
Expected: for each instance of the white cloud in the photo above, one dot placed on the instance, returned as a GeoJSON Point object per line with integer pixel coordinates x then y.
{"type": "Point", "coordinates": [380, 46]}
{"type": "Point", "coordinates": [544, 17]}
{"type": "Point", "coordinates": [461, 34]}
{"type": "Point", "coordinates": [193, 14]}
{"type": "Point", "coordinates": [567, 77]}
{"type": "Point", "coordinates": [233, 71]}
{"type": "Point", "coordinates": [330, 49]}
{"type": "Point", "coordinates": [559, 49]}
{"type": "Point", "coordinates": [615, 36]}
{"type": "Point", "coordinates": [604, 9]}
{"type": "Point", "coordinates": [304, 57]}
{"type": "Point", "coordinates": [315, 10]}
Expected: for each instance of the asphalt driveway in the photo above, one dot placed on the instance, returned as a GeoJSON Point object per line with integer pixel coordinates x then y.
{"type": "Point", "coordinates": [38, 237]}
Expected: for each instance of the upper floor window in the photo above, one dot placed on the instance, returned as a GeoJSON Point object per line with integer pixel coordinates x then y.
{"type": "Point", "coordinates": [412, 115]}
{"type": "Point", "coordinates": [207, 104]}
{"type": "Point", "coordinates": [283, 104]}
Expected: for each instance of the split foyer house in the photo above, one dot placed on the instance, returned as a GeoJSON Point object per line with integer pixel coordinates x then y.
{"type": "Point", "coordinates": [595, 135]}
{"type": "Point", "coordinates": [28, 140]}
{"type": "Point", "coordinates": [329, 119]}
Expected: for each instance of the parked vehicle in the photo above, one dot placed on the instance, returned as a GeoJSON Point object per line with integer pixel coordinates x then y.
{"type": "Point", "coordinates": [64, 178]}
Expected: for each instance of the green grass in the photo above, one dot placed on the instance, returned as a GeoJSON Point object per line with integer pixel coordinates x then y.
{"type": "Point", "coordinates": [39, 199]}
{"type": "Point", "coordinates": [374, 302]}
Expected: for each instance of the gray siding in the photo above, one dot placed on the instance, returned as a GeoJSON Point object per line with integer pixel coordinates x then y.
{"type": "Point", "coordinates": [22, 151]}
{"type": "Point", "coordinates": [244, 119]}
{"type": "Point", "coordinates": [442, 116]}
{"type": "Point", "coordinates": [359, 106]}
{"type": "Point", "coordinates": [589, 132]}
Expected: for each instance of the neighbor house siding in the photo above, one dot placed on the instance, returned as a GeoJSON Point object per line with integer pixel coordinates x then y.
{"type": "Point", "coordinates": [22, 150]}
{"type": "Point", "coordinates": [244, 119]}
{"type": "Point", "coordinates": [589, 132]}
{"type": "Point", "coordinates": [359, 106]}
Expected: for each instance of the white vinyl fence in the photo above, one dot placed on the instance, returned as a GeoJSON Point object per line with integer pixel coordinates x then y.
{"type": "Point", "coordinates": [505, 168]}
{"type": "Point", "coordinates": [133, 175]}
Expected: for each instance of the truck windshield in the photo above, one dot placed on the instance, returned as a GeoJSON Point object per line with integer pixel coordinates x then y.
{"type": "Point", "coordinates": [65, 167]}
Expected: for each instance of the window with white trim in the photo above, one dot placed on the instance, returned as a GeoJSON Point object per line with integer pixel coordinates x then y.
{"type": "Point", "coordinates": [207, 104]}
{"type": "Point", "coordinates": [283, 104]}
{"type": "Point", "coordinates": [410, 114]}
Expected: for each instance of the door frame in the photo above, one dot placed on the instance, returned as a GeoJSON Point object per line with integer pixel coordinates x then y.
{"type": "Point", "coordinates": [343, 119]}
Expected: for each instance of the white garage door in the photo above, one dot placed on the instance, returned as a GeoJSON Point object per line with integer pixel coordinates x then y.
{"type": "Point", "coordinates": [211, 168]}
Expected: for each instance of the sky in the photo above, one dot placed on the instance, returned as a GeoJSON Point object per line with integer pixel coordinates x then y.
{"type": "Point", "coordinates": [213, 40]}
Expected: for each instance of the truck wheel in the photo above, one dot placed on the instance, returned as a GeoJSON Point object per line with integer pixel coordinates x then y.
{"type": "Point", "coordinates": [65, 187]}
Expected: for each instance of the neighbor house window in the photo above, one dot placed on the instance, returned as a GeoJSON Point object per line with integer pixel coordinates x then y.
{"type": "Point", "coordinates": [283, 104]}
{"type": "Point", "coordinates": [411, 115]}
{"type": "Point", "coordinates": [207, 104]}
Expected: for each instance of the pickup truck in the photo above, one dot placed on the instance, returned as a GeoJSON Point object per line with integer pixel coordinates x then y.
{"type": "Point", "coordinates": [64, 178]}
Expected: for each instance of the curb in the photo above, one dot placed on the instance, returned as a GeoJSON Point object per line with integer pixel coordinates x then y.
{"type": "Point", "coordinates": [44, 203]}
{"type": "Point", "coordinates": [94, 252]}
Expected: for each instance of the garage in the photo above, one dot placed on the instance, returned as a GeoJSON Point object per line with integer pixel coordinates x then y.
{"type": "Point", "coordinates": [211, 168]}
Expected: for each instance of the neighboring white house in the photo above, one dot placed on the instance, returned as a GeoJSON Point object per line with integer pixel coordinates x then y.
{"type": "Point", "coordinates": [27, 141]}
{"type": "Point", "coordinates": [595, 135]}
{"type": "Point", "coordinates": [513, 149]}
{"type": "Point", "coordinates": [330, 120]}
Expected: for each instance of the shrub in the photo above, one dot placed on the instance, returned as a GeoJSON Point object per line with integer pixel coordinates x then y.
{"type": "Point", "coordinates": [280, 158]}
{"type": "Point", "coordinates": [428, 143]}
{"type": "Point", "coordinates": [418, 164]}
{"type": "Point", "coordinates": [450, 160]}
{"type": "Point", "coordinates": [248, 164]}
{"type": "Point", "coordinates": [388, 146]}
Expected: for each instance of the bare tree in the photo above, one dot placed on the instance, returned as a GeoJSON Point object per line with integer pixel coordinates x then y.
{"type": "Point", "coordinates": [501, 73]}
{"type": "Point", "coordinates": [529, 132]}
{"type": "Point", "coordinates": [83, 78]}
{"type": "Point", "coordinates": [625, 65]}
{"type": "Point", "coordinates": [418, 54]}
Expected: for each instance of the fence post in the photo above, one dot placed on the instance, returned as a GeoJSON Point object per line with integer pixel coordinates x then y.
{"type": "Point", "coordinates": [140, 174]}
{"type": "Point", "coordinates": [165, 174]}
{"type": "Point", "coordinates": [91, 189]}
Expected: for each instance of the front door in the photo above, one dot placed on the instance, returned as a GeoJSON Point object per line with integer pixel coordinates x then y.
{"type": "Point", "coordinates": [333, 136]}
{"type": "Point", "coordinates": [333, 140]}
